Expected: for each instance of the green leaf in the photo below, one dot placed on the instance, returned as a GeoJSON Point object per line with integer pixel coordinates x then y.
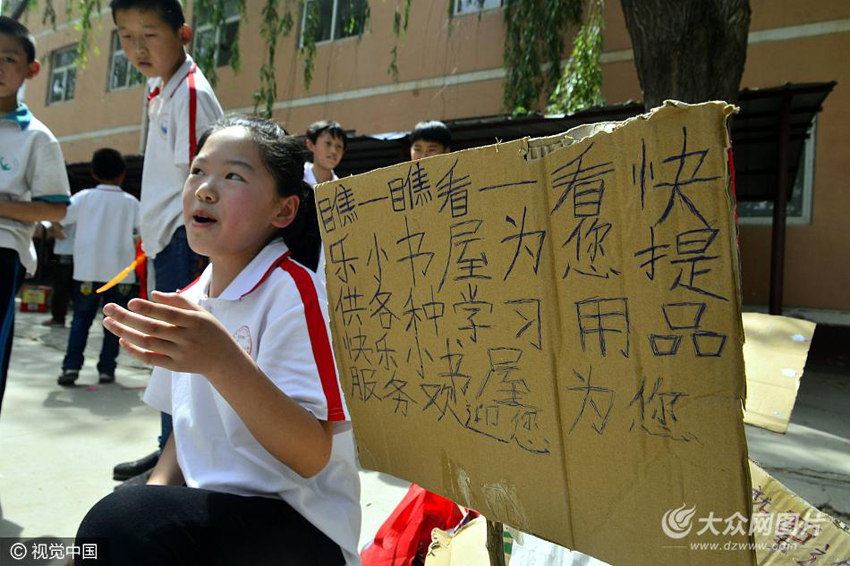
{"type": "Point", "coordinates": [534, 48]}
{"type": "Point", "coordinates": [581, 82]}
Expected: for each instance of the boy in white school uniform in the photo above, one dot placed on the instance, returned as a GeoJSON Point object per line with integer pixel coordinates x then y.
{"type": "Point", "coordinates": [326, 143]}
{"type": "Point", "coordinates": [61, 271]}
{"type": "Point", "coordinates": [33, 181]}
{"type": "Point", "coordinates": [106, 220]}
{"type": "Point", "coordinates": [182, 104]}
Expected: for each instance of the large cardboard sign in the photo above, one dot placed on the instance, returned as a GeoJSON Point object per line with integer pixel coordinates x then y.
{"type": "Point", "coordinates": [549, 331]}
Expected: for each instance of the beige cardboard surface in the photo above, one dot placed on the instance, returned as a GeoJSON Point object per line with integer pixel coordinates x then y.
{"type": "Point", "coordinates": [466, 547]}
{"type": "Point", "coordinates": [790, 531]}
{"type": "Point", "coordinates": [787, 532]}
{"type": "Point", "coordinates": [775, 354]}
{"type": "Point", "coordinates": [549, 332]}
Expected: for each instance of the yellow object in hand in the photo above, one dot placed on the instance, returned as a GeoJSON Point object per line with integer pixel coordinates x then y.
{"type": "Point", "coordinates": [124, 272]}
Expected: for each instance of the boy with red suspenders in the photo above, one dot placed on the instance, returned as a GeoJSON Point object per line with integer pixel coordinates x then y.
{"type": "Point", "coordinates": [181, 105]}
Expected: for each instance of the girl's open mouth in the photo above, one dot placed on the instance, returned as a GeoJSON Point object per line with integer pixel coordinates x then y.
{"type": "Point", "coordinates": [201, 218]}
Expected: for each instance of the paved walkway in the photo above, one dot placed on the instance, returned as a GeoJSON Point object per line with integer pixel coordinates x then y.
{"type": "Point", "coordinates": [58, 445]}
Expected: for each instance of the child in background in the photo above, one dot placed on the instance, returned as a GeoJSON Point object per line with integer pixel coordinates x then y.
{"type": "Point", "coordinates": [33, 182]}
{"type": "Point", "coordinates": [245, 367]}
{"type": "Point", "coordinates": [107, 219]}
{"type": "Point", "coordinates": [61, 271]}
{"type": "Point", "coordinates": [429, 138]}
{"type": "Point", "coordinates": [182, 104]}
{"type": "Point", "coordinates": [326, 141]}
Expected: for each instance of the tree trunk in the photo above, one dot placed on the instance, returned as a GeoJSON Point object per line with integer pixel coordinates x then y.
{"type": "Point", "coordinates": [18, 10]}
{"type": "Point", "coordinates": [688, 50]}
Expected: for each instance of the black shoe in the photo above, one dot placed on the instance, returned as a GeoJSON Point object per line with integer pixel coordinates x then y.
{"type": "Point", "coordinates": [128, 470]}
{"type": "Point", "coordinates": [140, 479]}
{"type": "Point", "coordinates": [68, 377]}
{"type": "Point", "coordinates": [106, 378]}
{"type": "Point", "coordinates": [54, 322]}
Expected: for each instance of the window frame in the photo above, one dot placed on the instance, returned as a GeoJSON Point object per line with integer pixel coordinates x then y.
{"type": "Point", "coordinates": [116, 50]}
{"type": "Point", "coordinates": [64, 69]}
{"type": "Point", "coordinates": [807, 170]}
{"type": "Point", "coordinates": [334, 13]}
{"type": "Point", "coordinates": [475, 9]}
{"type": "Point", "coordinates": [199, 29]}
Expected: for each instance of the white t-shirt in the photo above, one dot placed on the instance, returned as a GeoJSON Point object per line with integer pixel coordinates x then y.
{"type": "Point", "coordinates": [31, 169]}
{"type": "Point", "coordinates": [310, 179]}
{"type": "Point", "coordinates": [105, 217]}
{"type": "Point", "coordinates": [64, 246]}
{"type": "Point", "coordinates": [275, 309]}
{"type": "Point", "coordinates": [170, 149]}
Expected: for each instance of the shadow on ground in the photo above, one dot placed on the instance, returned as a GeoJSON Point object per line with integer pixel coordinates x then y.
{"type": "Point", "coordinates": [104, 400]}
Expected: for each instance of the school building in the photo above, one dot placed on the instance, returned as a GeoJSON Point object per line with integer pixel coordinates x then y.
{"type": "Point", "coordinates": [450, 68]}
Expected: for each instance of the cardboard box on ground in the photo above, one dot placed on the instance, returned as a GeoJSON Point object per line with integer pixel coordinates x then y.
{"type": "Point", "coordinates": [775, 354]}
{"type": "Point", "coordinates": [549, 332]}
{"type": "Point", "coordinates": [792, 532]}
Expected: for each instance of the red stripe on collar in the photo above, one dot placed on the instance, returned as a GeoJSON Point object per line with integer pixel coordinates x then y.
{"type": "Point", "coordinates": [268, 272]}
{"type": "Point", "coordinates": [190, 75]}
{"type": "Point", "coordinates": [187, 287]}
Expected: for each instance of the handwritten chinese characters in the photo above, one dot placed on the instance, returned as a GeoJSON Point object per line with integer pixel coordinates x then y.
{"type": "Point", "coordinates": [505, 316]}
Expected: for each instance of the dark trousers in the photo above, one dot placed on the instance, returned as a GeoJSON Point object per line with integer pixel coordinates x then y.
{"type": "Point", "coordinates": [175, 267]}
{"type": "Point", "coordinates": [63, 283]}
{"type": "Point", "coordinates": [87, 303]}
{"type": "Point", "coordinates": [183, 526]}
{"type": "Point", "coordinates": [11, 276]}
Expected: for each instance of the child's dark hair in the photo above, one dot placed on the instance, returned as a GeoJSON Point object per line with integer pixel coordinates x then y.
{"type": "Point", "coordinates": [107, 164]}
{"type": "Point", "coordinates": [432, 131]}
{"type": "Point", "coordinates": [283, 157]}
{"type": "Point", "coordinates": [10, 27]}
{"type": "Point", "coordinates": [316, 129]}
{"type": "Point", "coordinates": [169, 11]}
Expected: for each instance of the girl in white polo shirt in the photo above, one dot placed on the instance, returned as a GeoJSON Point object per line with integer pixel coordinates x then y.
{"type": "Point", "coordinates": [244, 365]}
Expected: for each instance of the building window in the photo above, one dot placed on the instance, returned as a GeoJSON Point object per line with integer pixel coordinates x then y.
{"type": "Point", "coordinates": [335, 19]}
{"type": "Point", "coordinates": [799, 208]}
{"type": "Point", "coordinates": [63, 75]}
{"type": "Point", "coordinates": [219, 39]}
{"type": "Point", "coordinates": [471, 6]}
{"type": "Point", "coordinates": [121, 73]}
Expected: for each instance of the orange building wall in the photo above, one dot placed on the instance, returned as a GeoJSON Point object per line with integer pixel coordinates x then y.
{"type": "Point", "coordinates": [817, 268]}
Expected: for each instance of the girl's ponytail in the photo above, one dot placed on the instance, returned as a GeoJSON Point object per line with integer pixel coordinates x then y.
{"type": "Point", "coordinates": [302, 236]}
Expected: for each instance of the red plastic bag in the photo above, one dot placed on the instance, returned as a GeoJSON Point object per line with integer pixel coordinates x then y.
{"type": "Point", "coordinates": [404, 537]}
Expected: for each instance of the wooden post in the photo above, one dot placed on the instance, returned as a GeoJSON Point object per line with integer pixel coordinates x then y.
{"type": "Point", "coordinates": [495, 543]}
{"type": "Point", "coordinates": [780, 203]}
